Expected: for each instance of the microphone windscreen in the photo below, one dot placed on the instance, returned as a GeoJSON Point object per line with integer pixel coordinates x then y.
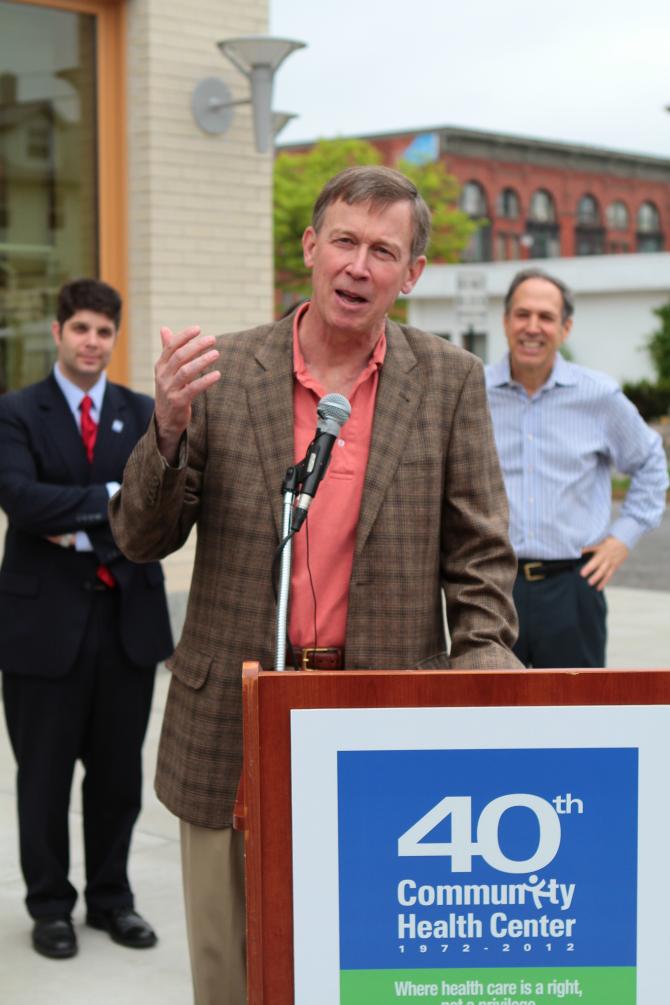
{"type": "Point", "coordinates": [334, 408]}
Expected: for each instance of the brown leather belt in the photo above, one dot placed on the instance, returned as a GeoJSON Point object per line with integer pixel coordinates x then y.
{"type": "Point", "coordinates": [535, 570]}
{"type": "Point", "coordinates": [319, 659]}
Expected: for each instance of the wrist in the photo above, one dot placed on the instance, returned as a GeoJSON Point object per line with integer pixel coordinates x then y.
{"type": "Point", "coordinates": [167, 441]}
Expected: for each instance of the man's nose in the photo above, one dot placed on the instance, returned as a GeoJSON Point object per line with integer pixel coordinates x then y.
{"type": "Point", "coordinates": [358, 264]}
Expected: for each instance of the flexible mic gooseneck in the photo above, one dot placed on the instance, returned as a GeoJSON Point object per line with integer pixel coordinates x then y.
{"type": "Point", "coordinates": [333, 411]}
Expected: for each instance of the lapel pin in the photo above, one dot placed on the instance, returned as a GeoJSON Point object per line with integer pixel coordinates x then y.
{"type": "Point", "coordinates": [117, 426]}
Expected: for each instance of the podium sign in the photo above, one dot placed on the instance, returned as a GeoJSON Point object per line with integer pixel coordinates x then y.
{"type": "Point", "coordinates": [481, 856]}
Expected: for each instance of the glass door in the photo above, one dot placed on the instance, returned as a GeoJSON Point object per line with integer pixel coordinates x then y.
{"type": "Point", "coordinates": [48, 176]}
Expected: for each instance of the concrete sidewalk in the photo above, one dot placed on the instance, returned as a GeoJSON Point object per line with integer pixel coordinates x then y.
{"type": "Point", "coordinates": [103, 973]}
{"type": "Point", "coordinates": [106, 974]}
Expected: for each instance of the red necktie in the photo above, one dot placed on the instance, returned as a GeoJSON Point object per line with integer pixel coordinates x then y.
{"type": "Point", "coordinates": [89, 427]}
{"type": "Point", "coordinates": [89, 433]}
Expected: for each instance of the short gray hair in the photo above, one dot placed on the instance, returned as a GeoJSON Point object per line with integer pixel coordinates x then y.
{"type": "Point", "coordinates": [380, 186]}
{"type": "Point", "coordinates": [567, 299]}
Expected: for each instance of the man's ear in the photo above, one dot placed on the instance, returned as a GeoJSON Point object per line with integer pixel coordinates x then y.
{"type": "Point", "coordinates": [567, 327]}
{"type": "Point", "coordinates": [308, 244]}
{"type": "Point", "coordinates": [414, 271]}
{"type": "Point", "coordinates": [56, 332]}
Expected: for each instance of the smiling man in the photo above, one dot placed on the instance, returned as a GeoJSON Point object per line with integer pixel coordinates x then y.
{"type": "Point", "coordinates": [412, 507]}
{"type": "Point", "coordinates": [81, 627]}
{"type": "Point", "coordinates": [560, 430]}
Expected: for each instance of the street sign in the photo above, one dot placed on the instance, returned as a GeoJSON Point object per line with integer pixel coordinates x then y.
{"type": "Point", "coordinates": [471, 301]}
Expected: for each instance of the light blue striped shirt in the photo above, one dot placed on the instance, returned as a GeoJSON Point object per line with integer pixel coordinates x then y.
{"type": "Point", "coordinates": [557, 449]}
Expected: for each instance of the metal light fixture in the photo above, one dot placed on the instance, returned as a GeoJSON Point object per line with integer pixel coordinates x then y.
{"type": "Point", "coordinates": [280, 120]}
{"type": "Point", "coordinates": [258, 57]}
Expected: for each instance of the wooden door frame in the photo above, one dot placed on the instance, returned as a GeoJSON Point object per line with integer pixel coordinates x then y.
{"type": "Point", "coordinates": [112, 190]}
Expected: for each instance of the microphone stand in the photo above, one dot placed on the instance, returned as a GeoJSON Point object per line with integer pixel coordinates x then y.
{"type": "Point", "coordinates": [333, 411]}
{"type": "Point", "coordinates": [293, 479]}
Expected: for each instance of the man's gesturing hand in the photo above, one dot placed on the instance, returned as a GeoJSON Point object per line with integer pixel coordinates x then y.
{"type": "Point", "coordinates": [179, 379]}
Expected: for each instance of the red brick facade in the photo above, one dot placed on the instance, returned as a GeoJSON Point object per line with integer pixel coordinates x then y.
{"type": "Point", "coordinates": [496, 162]}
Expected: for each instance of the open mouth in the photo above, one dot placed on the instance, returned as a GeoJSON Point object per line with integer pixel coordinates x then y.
{"type": "Point", "coordinates": [531, 344]}
{"type": "Point", "coordinates": [350, 298]}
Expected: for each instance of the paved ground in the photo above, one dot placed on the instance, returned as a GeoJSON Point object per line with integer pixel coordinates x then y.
{"type": "Point", "coordinates": [648, 567]}
{"type": "Point", "coordinates": [106, 974]}
{"type": "Point", "coordinates": [103, 973]}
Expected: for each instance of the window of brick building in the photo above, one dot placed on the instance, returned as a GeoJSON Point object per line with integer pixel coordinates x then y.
{"type": "Point", "coordinates": [649, 234]}
{"type": "Point", "coordinates": [542, 207]}
{"type": "Point", "coordinates": [473, 199]}
{"type": "Point", "coordinates": [542, 229]}
{"type": "Point", "coordinates": [589, 232]}
{"type": "Point", "coordinates": [588, 211]}
{"type": "Point", "coordinates": [617, 216]}
{"type": "Point", "coordinates": [507, 205]}
{"type": "Point", "coordinates": [507, 247]}
{"type": "Point", "coordinates": [475, 203]}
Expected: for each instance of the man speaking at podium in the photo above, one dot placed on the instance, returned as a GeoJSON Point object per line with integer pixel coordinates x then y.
{"type": "Point", "coordinates": [413, 504]}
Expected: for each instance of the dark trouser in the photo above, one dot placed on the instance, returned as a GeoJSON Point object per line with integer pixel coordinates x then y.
{"type": "Point", "coordinates": [562, 622]}
{"type": "Point", "coordinates": [97, 713]}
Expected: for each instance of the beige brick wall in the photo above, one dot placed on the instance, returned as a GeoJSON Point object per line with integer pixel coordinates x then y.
{"type": "Point", "coordinates": [200, 222]}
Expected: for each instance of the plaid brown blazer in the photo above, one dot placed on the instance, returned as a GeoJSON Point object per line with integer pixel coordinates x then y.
{"type": "Point", "coordinates": [434, 514]}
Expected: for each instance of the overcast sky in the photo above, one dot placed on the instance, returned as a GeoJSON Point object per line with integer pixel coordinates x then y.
{"type": "Point", "coordinates": [586, 71]}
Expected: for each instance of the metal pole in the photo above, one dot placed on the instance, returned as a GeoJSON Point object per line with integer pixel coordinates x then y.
{"type": "Point", "coordinates": [284, 583]}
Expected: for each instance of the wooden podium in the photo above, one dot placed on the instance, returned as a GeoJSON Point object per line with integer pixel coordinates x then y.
{"type": "Point", "coordinates": [264, 808]}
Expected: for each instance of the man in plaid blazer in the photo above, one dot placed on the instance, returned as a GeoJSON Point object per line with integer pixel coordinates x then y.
{"type": "Point", "coordinates": [413, 504]}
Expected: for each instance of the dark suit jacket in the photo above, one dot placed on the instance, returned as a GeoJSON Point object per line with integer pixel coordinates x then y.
{"type": "Point", "coordinates": [48, 487]}
{"type": "Point", "coordinates": [433, 516]}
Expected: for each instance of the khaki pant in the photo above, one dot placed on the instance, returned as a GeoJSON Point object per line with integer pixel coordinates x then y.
{"type": "Point", "coordinates": [213, 877]}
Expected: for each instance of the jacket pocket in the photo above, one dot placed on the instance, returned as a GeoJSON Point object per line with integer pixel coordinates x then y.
{"type": "Point", "coordinates": [19, 584]}
{"type": "Point", "coordinates": [439, 661]}
{"type": "Point", "coordinates": [190, 667]}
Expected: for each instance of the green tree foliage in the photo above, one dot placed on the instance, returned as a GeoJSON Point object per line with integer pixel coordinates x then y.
{"type": "Point", "coordinates": [653, 400]}
{"type": "Point", "coordinates": [298, 179]}
{"type": "Point", "coordinates": [659, 344]}
{"type": "Point", "coordinates": [452, 228]}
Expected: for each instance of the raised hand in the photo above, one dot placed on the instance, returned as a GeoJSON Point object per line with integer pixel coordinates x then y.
{"type": "Point", "coordinates": [179, 379]}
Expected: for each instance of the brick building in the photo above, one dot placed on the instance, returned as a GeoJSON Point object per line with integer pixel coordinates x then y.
{"type": "Point", "coordinates": [542, 198]}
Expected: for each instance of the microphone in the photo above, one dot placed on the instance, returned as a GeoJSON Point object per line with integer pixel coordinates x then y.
{"type": "Point", "coordinates": [333, 411]}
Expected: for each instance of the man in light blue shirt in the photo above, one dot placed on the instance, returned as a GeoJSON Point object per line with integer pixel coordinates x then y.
{"type": "Point", "coordinates": [560, 429]}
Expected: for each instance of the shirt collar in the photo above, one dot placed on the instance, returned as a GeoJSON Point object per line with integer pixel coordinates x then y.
{"type": "Point", "coordinates": [74, 394]}
{"type": "Point", "coordinates": [304, 376]}
{"type": "Point", "coordinates": [562, 373]}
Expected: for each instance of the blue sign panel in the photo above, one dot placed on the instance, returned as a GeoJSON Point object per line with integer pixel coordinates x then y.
{"type": "Point", "coordinates": [488, 859]}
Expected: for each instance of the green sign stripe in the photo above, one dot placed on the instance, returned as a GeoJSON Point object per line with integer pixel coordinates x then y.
{"type": "Point", "coordinates": [495, 986]}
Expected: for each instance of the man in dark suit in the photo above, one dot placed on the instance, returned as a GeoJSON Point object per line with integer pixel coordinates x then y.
{"type": "Point", "coordinates": [81, 627]}
{"type": "Point", "coordinates": [412, 509]}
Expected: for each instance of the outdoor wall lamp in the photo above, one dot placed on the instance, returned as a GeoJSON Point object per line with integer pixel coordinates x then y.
{"type": "Point", "coordinates": [258, 57]}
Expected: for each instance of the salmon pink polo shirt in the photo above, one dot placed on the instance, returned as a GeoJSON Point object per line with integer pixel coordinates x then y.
{"type": "Point", "coordinates": [327, 539]}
